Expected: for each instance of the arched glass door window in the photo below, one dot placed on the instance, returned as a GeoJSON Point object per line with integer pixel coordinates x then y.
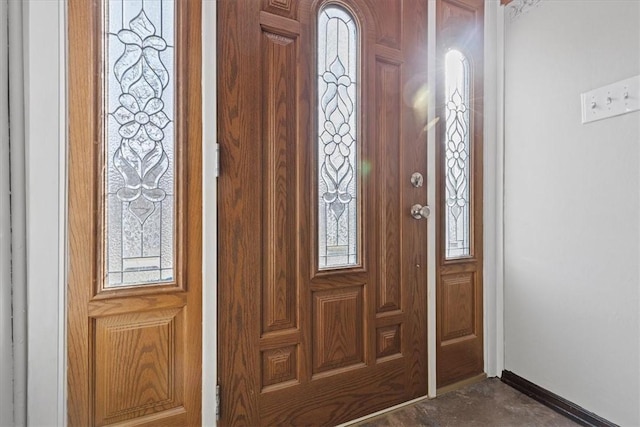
{"type": "Point", "coordinates": [457, 155]}
{"type": "Point", "coordinates": [337, 65]}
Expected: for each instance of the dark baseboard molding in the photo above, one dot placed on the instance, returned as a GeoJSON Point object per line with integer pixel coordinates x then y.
{"type": "Point", "coordinates": [555, 402]}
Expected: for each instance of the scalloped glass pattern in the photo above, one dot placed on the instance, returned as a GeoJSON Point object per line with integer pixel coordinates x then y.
{"type": "Point", "coordinates": [337, 138]}
{"type": "Point", "coordinates": [139, 171]}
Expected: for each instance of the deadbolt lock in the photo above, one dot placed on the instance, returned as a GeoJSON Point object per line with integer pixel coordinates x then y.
{"type": "Point", "coordinates": [417, 179]}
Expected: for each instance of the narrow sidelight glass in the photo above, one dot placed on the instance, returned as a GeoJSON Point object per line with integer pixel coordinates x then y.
{"type": "Point", "coordinates": [457, 155]}
{"type": "Point", "coordinates": [338, 217]}
{"type": "Point", "coordinates": [139, 217]}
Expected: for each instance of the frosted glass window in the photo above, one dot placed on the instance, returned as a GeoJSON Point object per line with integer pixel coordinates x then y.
{"type": "Point", "coordinates": [457, 166]}
{"type": "Point", "coordinates": [337, 144]}
{"type": "Point", "coordinates": [139, 102]}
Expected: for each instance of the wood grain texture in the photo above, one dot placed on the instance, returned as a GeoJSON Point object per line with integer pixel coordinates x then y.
{"type": "Point", "coordinates": [286, 8]}
{"type": "Point", "coordinates": [137, 359]}
{"type": "Point", "coordinates": [459, 339]}
{"type": "Point", "coordinates": [458, 302]}
{"type": "Point", "coordinates": [280, 54]}
{"type": "Point", "coordinates": [239, 91]}
{"type": "Point", "coordinates": [389, 27]}
{"type": "Point", "coordinates": [333, 357]}
{"type": "Point", "coordinates": [82, 81]}
{"type": "Point", "coordinates": [279, 366]}
{"type": "Point", "coordinates": [338, 328]}
{"type": "Point", "coordinates": [388, 341]}
{"type": "Point", "coordinates": [388, 141]}
{"type": "Point", "coordinates": [145, 370]}
{"type": "Point", "coordinates": [414, 159]}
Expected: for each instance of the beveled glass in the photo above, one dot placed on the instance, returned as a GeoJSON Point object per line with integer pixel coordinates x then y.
{"type": "Point", "coordinates": [457, 155]}
{"type": "Point", "coordinates": [337, 138]}
{"type": "Point", "coordinates": [139, 142]}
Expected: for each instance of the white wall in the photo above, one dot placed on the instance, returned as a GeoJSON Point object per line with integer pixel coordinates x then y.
{"type": "Point", "coordinates": [572, 206]}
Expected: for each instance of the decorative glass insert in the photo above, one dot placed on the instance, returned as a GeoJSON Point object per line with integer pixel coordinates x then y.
{"type": "Point", "coordinates": [337, 144]}
{"type": "Point", "coordinates": [139, 170]}
{"type": "Point", "coordinates": [457, 167]}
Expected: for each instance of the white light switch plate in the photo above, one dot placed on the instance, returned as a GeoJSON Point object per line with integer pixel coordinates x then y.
{"type": "Point", "coordinates": [611, 100]}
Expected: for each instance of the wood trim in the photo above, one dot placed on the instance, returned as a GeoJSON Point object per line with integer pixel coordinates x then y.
{"type": "Point", "coordinates": [505, 2]}
{"type": "Point", "coordinates": [559, 404]}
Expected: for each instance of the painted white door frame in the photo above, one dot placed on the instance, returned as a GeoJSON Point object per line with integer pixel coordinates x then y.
{"type": "Point", "coordinates": [43, 49]}
{"type": "Point", "coordinates": [6, 349]}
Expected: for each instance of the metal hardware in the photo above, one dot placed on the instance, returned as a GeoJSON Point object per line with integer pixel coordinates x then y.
{"type": "Point", "coordinates": [417, 180]}
{"type": "Point", "coordinates": [217, 402]}
{"type": "Point", "coordinates": [217, 162]}
{"type": "Point", "coordinates": [418, 211]}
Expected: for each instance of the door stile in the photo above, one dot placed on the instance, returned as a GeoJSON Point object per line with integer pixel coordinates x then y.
{"type": "Point", "coordinates": [414, 159]}
{"type": "Point", "coordinates": [240, 262]}
{"type": "Point", "coordinates": [82, 235]}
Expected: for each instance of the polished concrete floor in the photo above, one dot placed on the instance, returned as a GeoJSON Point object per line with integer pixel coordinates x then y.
{"type": "Point", "coordinates": [488, 403]}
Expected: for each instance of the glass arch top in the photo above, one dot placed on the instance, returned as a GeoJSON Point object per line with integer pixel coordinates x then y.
{"type": "Point", "coordinates": [337, 64]}
{"type": "Point", "coordinates": [457, 155]}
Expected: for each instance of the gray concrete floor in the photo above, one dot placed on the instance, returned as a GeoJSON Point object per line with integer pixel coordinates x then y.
{"type": "Point", "coordinates": [488, 403]}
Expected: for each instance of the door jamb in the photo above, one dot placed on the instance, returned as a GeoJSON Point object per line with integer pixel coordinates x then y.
{"type": "Point", "coordinates": [45, 120]}
{"type": "Point", "coordinates": [431, 196]}
{"type": "Point", "coordinates": [209, 214]}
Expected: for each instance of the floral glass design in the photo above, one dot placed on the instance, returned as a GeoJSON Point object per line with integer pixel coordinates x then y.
{"type": "Point", "coordinates": [337, 144]}
{"type": "Point", "coordinates": [457, 166]}
{"type": "Point", "coordinates": [139, 170]}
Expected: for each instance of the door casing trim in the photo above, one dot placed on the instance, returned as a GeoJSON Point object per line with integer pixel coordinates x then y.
{"type": "Point", "coordinates": [209, 214]}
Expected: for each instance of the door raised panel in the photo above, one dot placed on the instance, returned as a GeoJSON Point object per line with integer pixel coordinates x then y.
{"type": "Point", "coordinates": [458, 300]}
{"type": "Point", "coordinates": [279, 366]}
{"type": "Point", "coordinates": [388, 121]}
{"type": "Point", "coordinates": [338, 329]}
{"type": "Point", "coordinates": [280, 54]}
{"type": "Point", "coordinates": [388, 341]}
{"type": "Point", "coordinates": [139, 364]}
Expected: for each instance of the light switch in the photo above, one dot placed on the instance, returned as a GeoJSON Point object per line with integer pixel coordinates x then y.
{"type": "Point", "coordinates": [611, 100]}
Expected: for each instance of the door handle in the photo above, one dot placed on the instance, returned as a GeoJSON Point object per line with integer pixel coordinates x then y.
{"type": "Point", "coordinates": [418, 211]}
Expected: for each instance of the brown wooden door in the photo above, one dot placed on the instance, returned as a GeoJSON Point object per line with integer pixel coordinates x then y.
{"type": "Point", "coordinates": [459, 303]}
{"type": "Point", "coordinates": [134, 288]}
{"type": "Point", "coordinates": [301, 343]}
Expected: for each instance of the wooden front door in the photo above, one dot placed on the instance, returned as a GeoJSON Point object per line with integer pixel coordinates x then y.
{"type": "Point", "coordinates": [134, 289]}
{"type": "Point", "coordinates": [322, 268]}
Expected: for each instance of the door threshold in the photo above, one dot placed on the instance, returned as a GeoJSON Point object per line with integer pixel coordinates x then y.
{"type": "Point", "coordinates": [458, 385]}
{"type": "Point", "coordinates": [384, 411]}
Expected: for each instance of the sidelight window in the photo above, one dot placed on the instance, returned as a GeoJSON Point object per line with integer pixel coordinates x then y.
{"type": "Point", "coordinates": [457, 155]}
{"type": "Point", "coordinates": [139, 165]}
{"type": "Point", "coordinates": [337, 62]}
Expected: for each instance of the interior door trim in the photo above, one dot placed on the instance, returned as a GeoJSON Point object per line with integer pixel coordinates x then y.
{"type": "Point", "coordinates": [209, 214]}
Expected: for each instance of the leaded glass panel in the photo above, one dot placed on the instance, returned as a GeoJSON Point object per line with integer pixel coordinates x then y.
{"type": "Point", "coordinates": [337, 134]}
{"type": "Point", "coordinates": [457, 166]}
{"type": "Point", "coordinates": [139, 104]}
